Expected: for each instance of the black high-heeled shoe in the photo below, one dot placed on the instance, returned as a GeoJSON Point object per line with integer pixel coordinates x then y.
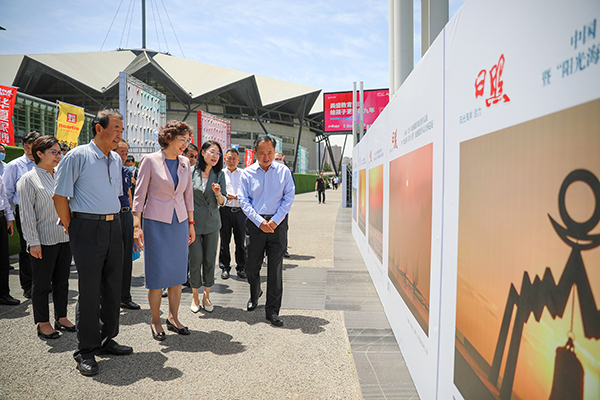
{"type": "Point", "coordinates": [58, 326]}
{"type": "Point", "coordinates": [53, 335]}
{"type": "Point", "coordinates": [181, 331]}
{"type": "Point", "coordinates": [157, 336]}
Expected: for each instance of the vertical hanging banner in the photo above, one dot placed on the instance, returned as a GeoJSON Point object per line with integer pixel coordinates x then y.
{"type": "Point", "coordinates": [69, 123]}
{"type": "Point", "coordinates": [211, 127]}
{"type": "Point", "coordinates": [8, 96]}
{"type": "Point", "coordinates": [249, 158]}
{"type": "Point", "coordinates": [144, 111]}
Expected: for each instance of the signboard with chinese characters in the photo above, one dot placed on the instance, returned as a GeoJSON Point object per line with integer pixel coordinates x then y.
{"type": "Point", "coordinates": [8, 96]}
{"type": "Point", "coordinates": [144, 111]}
{"type": "Point", "coordinates": [248, 158]}
{"type": "Point", "coordinates": [522, 117]}
{"type": "Point", "coordinates": [491, 205]}
{"type": "Point", "coordinates": [338, 109]}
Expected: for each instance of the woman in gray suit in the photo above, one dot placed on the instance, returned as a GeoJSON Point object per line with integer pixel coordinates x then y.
{"type": "Point", "coordinates": [208, 181]}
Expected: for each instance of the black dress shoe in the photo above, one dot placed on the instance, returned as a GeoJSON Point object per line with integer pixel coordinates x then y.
{"type": "Point", "coordinates": [275, 319]}
{"type": "Point", "coordinates": [182, 331]}
{"type": "Point", "coordinates": [53, 335]}
{"type": "Point", "coordinates": [88, 366]}
{"type": "Point", "coordinates": [225, 274]}
{"type": "Point", "coordinates": [253, 304]}
{"type": "Point", "coordinates": [130, 305]}
{"type": "Point", "coordinates": [58, 326]}
{"type": "Point", "coordinates": [116, 350]}
{"type": "Point", "coordinates": [8, 300]}
{"type": "Point", "coordinates": [242, 274]}
{"type": "Point", "coordinates": [27, 293]}
{"type": "Point", "coordinates": [158, 336]}
{"type": "Point", "coordinates": [286, 254]}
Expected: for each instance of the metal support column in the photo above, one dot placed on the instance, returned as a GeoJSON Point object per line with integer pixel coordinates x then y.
{"type": "Point", "coordinates": [434, 16]}
{"type": "Point", "coordinates": [299, 136]}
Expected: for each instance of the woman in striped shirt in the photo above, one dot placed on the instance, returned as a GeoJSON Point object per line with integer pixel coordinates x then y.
{"type": "Point", "coordinates": [47, 242]}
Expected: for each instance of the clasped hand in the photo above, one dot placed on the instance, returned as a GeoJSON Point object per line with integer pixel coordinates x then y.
{"type": "Point", "coordinates": [268, 226]}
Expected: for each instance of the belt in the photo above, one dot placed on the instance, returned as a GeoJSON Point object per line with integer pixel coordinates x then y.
{"type": "Point", "coordinates": [234, 209]}
{"type": "Point", "coordinates": [125, 209]}
{"type": "Point", "coordinates": [2, 213]}
{"type": "Point", "coordinates": [267, 217]}
{"type": "Point", "coordinates": [97, 217]}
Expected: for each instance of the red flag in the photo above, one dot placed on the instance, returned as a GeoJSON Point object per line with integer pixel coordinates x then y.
{"type": "Point", "coordinates": [249, 157]}
{"type": "Point", "coordinates": [8, 96]}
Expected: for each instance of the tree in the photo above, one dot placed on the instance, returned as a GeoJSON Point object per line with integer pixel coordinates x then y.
{"type": "Point", "coordinates": [326, 167]}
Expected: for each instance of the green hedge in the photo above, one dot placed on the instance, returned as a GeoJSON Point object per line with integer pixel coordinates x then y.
{"type": "Point", "coordinates": [13, 152]}
{"type": "Point", "coordinates": [305, 182]}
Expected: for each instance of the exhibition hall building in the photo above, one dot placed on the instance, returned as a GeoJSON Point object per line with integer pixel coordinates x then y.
{"type": "Point", "coordinates": [184, 90]}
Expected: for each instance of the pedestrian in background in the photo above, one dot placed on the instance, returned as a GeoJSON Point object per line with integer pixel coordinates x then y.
{"type": "Point", "coordinates": [2, 158]}
{"type": "Point", "coordinates": [6, 229]}
{"type": "Point", "coordinates": [126, 229]}
{"type": "Point", "coordinates": [47, 242]}
{"type": "Point", "coordinates": [209, 193]}
{"type": "Point", "coordinates": [233, 219]}
{"type": "Point", "coordinates": [320, 188]}
{"type": "Point", "coordinates": [12, 173]}
{"type": "Point", "coordinates": [165, 196]}
{"type": "Point", "coordinates": [192, 153]}
{"type": "Point", "coordinates": [279, 157]}
{"type": "Point", "coordinates": [266, 194]}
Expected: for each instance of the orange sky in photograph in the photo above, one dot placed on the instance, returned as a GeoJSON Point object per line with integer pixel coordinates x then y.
{"type": "Point", "coordinates": [509, 184]}
{"type": "Point", "coordinates": [410, 215]}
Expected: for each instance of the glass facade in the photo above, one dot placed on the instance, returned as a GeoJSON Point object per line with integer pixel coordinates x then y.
{"type": "Point", "coordinates": [33, 114]}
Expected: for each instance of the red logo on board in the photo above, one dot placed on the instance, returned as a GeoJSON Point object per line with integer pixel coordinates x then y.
{"type": "Point", "coordinates": [72, 118]}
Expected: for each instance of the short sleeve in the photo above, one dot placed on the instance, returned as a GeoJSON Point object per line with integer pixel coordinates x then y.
{"type": "Point", "coordinates": [66, 175]}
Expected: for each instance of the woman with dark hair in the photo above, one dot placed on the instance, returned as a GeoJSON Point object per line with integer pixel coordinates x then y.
{"type": "Point", "coordinates": [47, 242]}
{"type": "Point", "coordinates": [164, 194]}
{"type": "Point", "coordinates": [209, 185]}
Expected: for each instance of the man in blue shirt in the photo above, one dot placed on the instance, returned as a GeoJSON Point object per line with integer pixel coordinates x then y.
{"type": "Point", "coordinates": [266, 193]}
{"type": "Point", "coordinates": [13, 172]}
{"type": "Point", "coordinates": [86, 197]}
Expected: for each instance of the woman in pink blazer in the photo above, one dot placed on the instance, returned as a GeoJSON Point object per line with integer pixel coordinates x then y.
{"type": "Point", "coordinates": [164, 194]}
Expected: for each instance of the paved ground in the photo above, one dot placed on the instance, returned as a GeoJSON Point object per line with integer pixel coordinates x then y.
{"type": "Point", "coordinates": [337, 342]}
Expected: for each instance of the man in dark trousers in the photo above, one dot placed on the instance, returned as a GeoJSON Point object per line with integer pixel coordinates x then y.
{"type": "Point", "coordinates": [126, 229]}
{"type": "Point", "coordinates": [86, 197]}
{"type": "Point", "coordinates": [12, 173]}
{"type": "Point", "coordinates": [266, 194]}
{"type": "Point", "coordinates": [232, 219]}
{"type": "Point", "coordinates": [320, 187]}
{"type": "Point", "coordinates": [6, 229]}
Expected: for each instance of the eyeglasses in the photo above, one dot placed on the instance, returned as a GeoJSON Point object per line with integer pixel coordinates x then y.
{"type": "Point", "coordinates": [185, 141]}
{"type": "Point", "coordinates": [55, 152]}
{"type": "Point", "coordinates": [214, 153]}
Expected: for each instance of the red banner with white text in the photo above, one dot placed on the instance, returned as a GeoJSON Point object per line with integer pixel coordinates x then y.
{"type": "Point", "coordinates": [8, 96]}
{"type": "Point", "coordinates": [249, 159]}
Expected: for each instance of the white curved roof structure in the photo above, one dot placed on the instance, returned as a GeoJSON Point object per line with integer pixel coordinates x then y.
{"type": "Point", "coordinates": [95, 74]}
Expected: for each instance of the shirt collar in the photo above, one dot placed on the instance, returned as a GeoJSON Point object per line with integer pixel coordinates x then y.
{"type": "Point", "coordinates": [97, 150]}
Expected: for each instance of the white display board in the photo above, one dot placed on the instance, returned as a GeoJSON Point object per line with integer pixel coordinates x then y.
{"type": "Point", "coordinates": [144, 111]}
{"type": "Point", "coordinates": [487, 161]}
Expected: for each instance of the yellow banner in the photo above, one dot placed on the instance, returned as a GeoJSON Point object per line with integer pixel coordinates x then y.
{"type": "Point", "coordinates": [69, 123]}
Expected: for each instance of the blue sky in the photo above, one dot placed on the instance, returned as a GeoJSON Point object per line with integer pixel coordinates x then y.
{"type": "Point", "coordinates": [324, 44]}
